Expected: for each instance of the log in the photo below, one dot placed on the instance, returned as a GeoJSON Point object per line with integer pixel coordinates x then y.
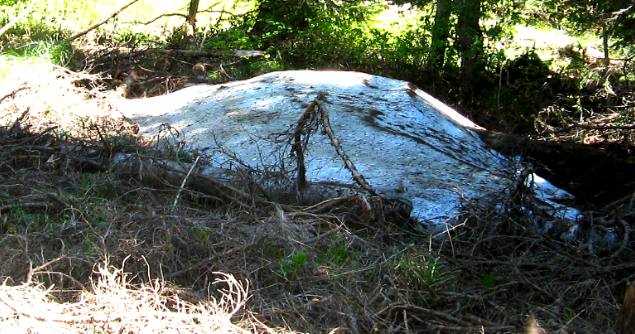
{"type": "Point", "coordinates": [596, 174]}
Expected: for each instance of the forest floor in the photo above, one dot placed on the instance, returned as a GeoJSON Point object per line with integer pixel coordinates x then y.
{"type": "Point", "coordinates": [86, 250]}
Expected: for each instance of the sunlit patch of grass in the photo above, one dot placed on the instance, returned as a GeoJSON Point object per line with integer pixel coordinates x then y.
{"type": "Point", "coordinates": [395, 19]}
{"type": "Point", "coordinates": [113, 304]}
{"type": "Point", "coordinates": [548, 43]}
{"type": "Point", "coordinates": [45, 50]}
{"type": "Point", "coordinates": [61, 18]}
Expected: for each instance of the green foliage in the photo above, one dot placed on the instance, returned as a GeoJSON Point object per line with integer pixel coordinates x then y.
{"type": "Point", "coordinates": [19, 219]}
{"type": "Point", "coordinates": [49, 50]}
{"type": "Point", "coordinates": [488, 279]}
{"type": "Point", "coordinates": [256, 67]}
{"type": "Point", "coordinates": [372, 36]}
{"type": "Point", "coordinates": [422, 271]}
{"type": "Point", "coordinates": [337, 252]}
{"type": "Point", "coordinates": [352, 35]}
{"type": "Point", "coordinates": [177, 39]}
{"type": "Point", "coordinates": [201, 233]}
{"type": "Point", "coordinates": [89, 248]}
{"type": "Point", "coordinates": [291, 266]}
{"type": "Point", "coordinates": [233, 38]}
{"type": "Point", "coordinates": [130, 38]}
{"type": "Point", "coordinates": [613, 20]}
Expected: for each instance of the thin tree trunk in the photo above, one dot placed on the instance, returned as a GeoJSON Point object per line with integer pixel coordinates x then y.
{"type": "Point", "coordinates": [605, 45]}
{"type": "Point", "coordinates": [469, 44]}
{"type": "Point", "coordinates": [191, 17]}
{"type": "Point", "coordinates": [440, 34]}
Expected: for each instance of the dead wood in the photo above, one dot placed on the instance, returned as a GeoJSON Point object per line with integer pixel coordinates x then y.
{"type": "Point", "coordinates": [305, 126]}
{"type": "Point", "coordinates": [626, 322]}
{"type": "Point", "coordinates": [189, 53]}
{"type": "Point", "coordinates": [157, 172]}
{"type": "Point", "coordinates": [12, 93]}
{"type": "Point", "coordinates": [601, 173]}
{"type": "Point", "coordinates": [357, 176]}
{"type": "Point", "coordinates": [98, 24]}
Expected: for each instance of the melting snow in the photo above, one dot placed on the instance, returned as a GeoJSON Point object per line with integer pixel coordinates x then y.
{"type": "Point", "coordinates": [406, 144]}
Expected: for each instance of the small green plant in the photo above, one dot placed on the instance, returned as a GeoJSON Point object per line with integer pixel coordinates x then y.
{"type": "Point", "coordinates": [86, 184]}
{"type": "Point", "coordinates": [420, 271]}
{"type": "Point", "coordinates": [488, 279]}
{"type": "Point", "coordinates": [201, 233]}
{"type": "Point", "coordinates": [337, 252]}
{"type": "Point", "coordinates": [89, 248]}
{"type": "Point", "coordinates": [290, 267]}
{"type": "Point", "coordinates": [21, 216]}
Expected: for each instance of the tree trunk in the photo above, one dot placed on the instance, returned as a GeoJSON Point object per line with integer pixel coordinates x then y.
{"type": "Point", "coordinates": [605, 45]}
{"type": "Point", "coordinates": [469, 44]}
{"type": "Point", "coordinates": [191, 18]}
{"type": "Point", "coordinates": [440, 34]}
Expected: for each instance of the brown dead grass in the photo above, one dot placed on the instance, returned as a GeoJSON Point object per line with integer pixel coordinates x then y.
{"type": "Point", "coordinates": [114, 305]}
{"type": "Point", "coordinates": [63, 210]}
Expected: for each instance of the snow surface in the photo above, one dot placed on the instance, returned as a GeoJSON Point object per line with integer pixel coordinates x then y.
{"type": "Point", "coordinates": [406, 144]}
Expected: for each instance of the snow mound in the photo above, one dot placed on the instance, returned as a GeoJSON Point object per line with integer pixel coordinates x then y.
{"type": "Point", "coordinates": [406, 144]}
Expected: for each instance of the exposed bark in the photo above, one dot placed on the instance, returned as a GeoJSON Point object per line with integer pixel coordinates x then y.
{"type": "Point", "coordinates": [440, 34]}
{"type": "Point", "coordinates": [191, 17]}
{"type": "Point", "coordinates": [627, 318]}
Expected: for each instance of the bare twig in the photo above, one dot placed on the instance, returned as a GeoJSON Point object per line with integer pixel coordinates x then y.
{"type": "Point", "coordinates": [303, 128]}
{"type": "Point", "coordinates": [32, 270]}
{"type": "Point", "coordinates": [178, 194]}
{"type": "Point", "coordinates": [20, 16]}
{"type": "Point", "coordinates": [20, 118]}
{"type": "Point", "coordinates": [157, 18]}
{"type": "Point", "coordinates": [12, 94]}
{"type": "Point", "coordinates": [357, 176]}
{"type": "Point", "coordinates": [98, 24]}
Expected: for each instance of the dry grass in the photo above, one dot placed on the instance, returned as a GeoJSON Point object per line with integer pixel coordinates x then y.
{"type": "Point", "coordinates": [311, 269]}
{"type": "Point", "coordinates": [114, 305]}
{"type": "Point", "coordinates": [47, 95]}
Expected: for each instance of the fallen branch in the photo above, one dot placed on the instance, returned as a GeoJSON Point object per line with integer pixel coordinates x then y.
{"type": "Point", "coordinates": [160, 173]}
{"type": "Point", "coordinates": [357, 176]}
{"type": "Point", "coordinates": [597, 127]}
{"type": "Point", "coordinates": [98, 24]}
{"type": "Point", "coordinates": [190, 53]}
{"type": "Point", "coordinates": [305, 125]}
{"type": "Point", "coordinates": [12, 94]}
{"type": "Point", "coordinates": [187, 176]}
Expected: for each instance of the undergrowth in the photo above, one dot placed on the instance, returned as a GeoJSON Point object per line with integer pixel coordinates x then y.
{"type": "Point", "coordinates": [66, 211]}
